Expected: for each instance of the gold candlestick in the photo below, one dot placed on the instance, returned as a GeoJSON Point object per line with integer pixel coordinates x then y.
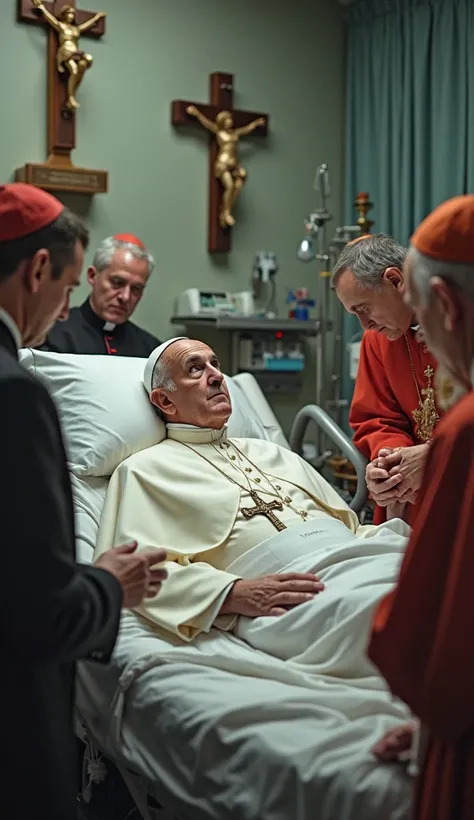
{"type": "Point", "coordinates": [363, 205]}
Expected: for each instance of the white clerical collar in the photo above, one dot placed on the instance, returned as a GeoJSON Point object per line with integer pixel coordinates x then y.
{"type": "Point", "coordinates": [109, 326]}
{"type": "Point", "coordinates": [190, 434]}
{"type": "Point", "coordinates": [12, 327]}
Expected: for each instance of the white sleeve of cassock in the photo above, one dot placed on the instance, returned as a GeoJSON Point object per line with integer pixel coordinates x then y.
{"type": "Point", "coordinates": [191, 598]}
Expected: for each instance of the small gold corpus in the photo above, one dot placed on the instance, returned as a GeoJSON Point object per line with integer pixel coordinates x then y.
{"type": "Point", "coordinates": [69, 56]}
{"type": "Point", "coordinates": [426, 416]}
{"type": "Point", "coordinates": [262, 508]}
{"type": "Point", "coordinates": [227, 169]}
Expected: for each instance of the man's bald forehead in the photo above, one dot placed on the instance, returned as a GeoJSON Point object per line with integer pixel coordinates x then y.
{"type": "Point", "coordinates": [185, 347]}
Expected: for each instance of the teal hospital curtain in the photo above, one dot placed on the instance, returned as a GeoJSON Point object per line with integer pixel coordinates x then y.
{"type": "Point", "coordinates": [410, 111]}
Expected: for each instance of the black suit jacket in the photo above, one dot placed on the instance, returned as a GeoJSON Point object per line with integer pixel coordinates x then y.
{"type": "Point", "coordinates": [52, 610]}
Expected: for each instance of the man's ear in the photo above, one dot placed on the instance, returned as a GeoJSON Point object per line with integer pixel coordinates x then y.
{"type": "Point", "coordinates": [37, 271]}
{"type": "Point", "coordinates": [448, 303]}
{"type": "Point", "coordinates": [159, 398]}
{"type": "Point", "coordinates": [395, 277]}
{"type": "Point", "coordinates": [91, 274]}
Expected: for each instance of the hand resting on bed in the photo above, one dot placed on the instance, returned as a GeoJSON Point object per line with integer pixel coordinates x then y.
{"type": "Point", "coordinates": [271, 594]}
{"type": "Point", "coordinates": [396, 744]}
{"type": "Point", "coordinates": [134, 572]}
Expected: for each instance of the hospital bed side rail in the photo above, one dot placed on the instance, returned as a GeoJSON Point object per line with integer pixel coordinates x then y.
{"type": "Point", "coordinates": [311, 412]}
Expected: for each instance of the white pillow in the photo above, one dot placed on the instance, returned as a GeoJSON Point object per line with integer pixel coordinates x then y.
{"type": "Point", "coordinates": [104, 410]}
{"type": "Point", "coordinates": [243, 422]}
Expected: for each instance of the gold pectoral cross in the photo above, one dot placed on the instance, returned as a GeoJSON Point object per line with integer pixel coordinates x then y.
{"type": "Point", "coordinates": [262, 508]}
{"type": "Point", "coordinates": [426, 416]}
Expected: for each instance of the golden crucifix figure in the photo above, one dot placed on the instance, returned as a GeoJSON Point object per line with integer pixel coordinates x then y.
{"type": "Point", "coordinates": [227, 169]}
{"type": "Point", "coordinates": [69, 56]}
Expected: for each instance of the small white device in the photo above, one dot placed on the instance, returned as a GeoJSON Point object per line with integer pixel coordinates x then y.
{"type": "Point", "coordinates": [196, 302]}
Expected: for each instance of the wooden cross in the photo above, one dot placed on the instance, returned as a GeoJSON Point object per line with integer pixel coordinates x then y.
{"type": "Point", "coordinates": [59, 173]}
{"type": "Point", "coordinates": [263, 508]}
{"type": "Point", "coordinates": [222, 99]}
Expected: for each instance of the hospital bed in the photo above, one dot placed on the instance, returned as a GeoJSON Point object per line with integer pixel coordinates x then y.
{"type": "Point", "coordinates": [201, 742]}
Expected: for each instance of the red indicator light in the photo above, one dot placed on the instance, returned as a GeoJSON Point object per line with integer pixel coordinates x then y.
{"type": "Point", "coordinates": [279, 334]}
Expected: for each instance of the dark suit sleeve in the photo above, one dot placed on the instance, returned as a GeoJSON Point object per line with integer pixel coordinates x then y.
{"type": "Point", "coordinates": [51, 608]}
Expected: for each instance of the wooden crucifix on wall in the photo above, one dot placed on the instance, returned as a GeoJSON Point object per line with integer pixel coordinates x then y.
{"type": "Point", "coordinates": [68, 64]}
{"type": "Point", "coordinates": [226, 176]}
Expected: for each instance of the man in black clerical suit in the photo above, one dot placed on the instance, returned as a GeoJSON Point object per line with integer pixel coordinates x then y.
{"type": "Point", "coordinates": [118, 276]}
{"type": "Point", "coordinates": [52, 610]}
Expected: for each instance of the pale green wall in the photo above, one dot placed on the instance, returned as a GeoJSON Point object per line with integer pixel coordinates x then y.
{"type": "Point", "coordinates": [288, 61]}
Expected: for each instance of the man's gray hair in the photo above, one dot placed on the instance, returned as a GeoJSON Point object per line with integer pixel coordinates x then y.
{"type": "Point", "coordinates": [424, 268]}
{"type": "Point", "coordinates": [161, 377]}
{"type": "Point", "coordinates": [368, 258]}
{"type": "Point", "coordinates": [108, 247]}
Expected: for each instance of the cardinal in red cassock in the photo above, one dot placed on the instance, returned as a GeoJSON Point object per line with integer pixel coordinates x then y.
{"type": "Point", "coordinates": [388, 389]}
{"type": "Point", "coordinates": [422, 639]}
{"type": "Point", "coordinates": [394, 406]}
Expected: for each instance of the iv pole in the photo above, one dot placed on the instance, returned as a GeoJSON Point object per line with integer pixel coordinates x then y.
{"type": "Point", "coordinates": [315, 227]}
{"type": "Point", "coordinates": [326, 256]}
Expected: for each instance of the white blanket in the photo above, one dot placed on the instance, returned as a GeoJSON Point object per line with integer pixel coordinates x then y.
{"type": "Point", "coordinates": [303, 714]}
{"type": "Point", "coordinates": [327, 635]}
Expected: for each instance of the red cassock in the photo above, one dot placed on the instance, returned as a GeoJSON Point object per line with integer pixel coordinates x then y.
{"type": "Point", "coordinates": [422, 639]}
{"type": "Point", "coordinates": [385, 397]}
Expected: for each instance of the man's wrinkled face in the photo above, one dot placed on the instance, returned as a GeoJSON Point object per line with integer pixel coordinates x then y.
{"type": "Point", "coordinates": [437, 315]}
{"type": "Point", "coordinates": [201, 396]}
{"type": "Point", "coordinates": [117, 290]}
{"type": "Point", "coordinates": [384, 309]}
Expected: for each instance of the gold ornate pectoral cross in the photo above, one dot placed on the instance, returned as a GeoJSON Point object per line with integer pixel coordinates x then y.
{"type": "Point", "coordinates": [263, 508]}
{"type": "Point", "coordinates": [426, 416]}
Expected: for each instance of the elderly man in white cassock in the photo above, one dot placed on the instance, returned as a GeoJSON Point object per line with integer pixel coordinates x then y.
{"type": "Point", "coordinates": [250, 529]}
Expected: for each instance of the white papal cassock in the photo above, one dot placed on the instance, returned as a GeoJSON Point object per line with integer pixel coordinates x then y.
{"type": "Point", "coordinates": [171, 496]}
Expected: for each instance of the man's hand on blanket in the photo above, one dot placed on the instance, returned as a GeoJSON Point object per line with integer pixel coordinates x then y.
{"type": "Point", "coordinates": [271, 594]}
{"type": "Point", "coordinates": [396, 743]}
{"type": "Point", "coordinates": [134, 572]}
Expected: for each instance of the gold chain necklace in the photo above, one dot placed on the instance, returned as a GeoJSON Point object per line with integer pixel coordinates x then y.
{"type": "Point", "coordinates": [426, 415]}
{"type": "Point", "coordinates": [261, 507]}
{"type": "Point", "coordinates": [275, 487]}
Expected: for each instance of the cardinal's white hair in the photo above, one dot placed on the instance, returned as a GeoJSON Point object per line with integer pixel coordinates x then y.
{"type": "Point", "coordinates": [424, 269]}
{"type": "Point", "coordinates": [105, 252]}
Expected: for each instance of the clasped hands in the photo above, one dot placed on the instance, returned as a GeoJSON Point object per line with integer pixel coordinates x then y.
{"type": "Point", "coordinates": [396, 474]}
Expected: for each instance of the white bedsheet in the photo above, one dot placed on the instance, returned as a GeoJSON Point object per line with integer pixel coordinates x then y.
{"type": "Point", "coordinates": [222, 730]}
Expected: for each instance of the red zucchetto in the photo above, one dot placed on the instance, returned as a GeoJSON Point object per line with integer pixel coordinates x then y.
{"type": "Point", "coordinates": [25, 209]}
